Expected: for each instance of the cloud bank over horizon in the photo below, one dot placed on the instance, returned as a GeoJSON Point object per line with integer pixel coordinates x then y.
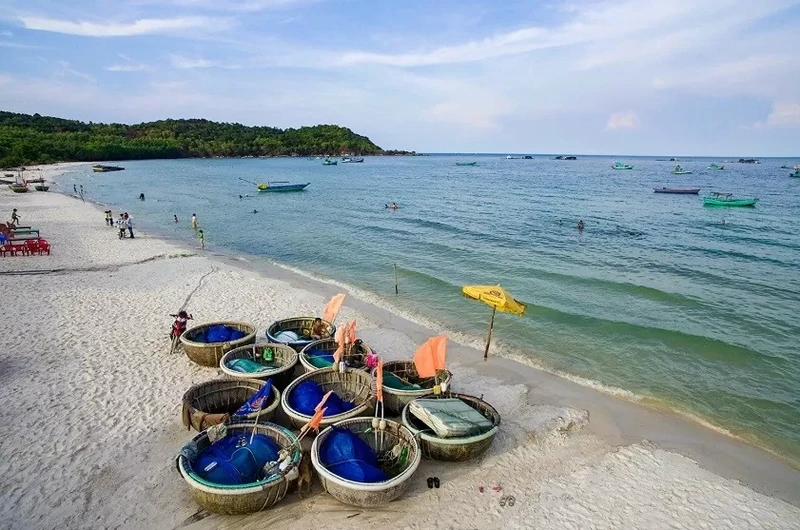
{"type": "Point", "coordinates": [590, 76]}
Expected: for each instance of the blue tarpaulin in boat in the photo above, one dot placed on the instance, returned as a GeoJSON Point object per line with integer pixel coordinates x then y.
{"type": "Point", "coordinates": [307, 395]}
{"type": "Point", "coordinates": [350, 457]}
{"type": "Point", "coordinates": [234, 460]}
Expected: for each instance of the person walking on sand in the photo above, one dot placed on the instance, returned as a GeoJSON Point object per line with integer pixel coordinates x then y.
{"type": "Point", "coordinates": [202, 239]}
{"type": "Point", "coordinates": [14, 217]}
{"type": "Point", "coordinates": [121, 226]}
{"type": "Point", "coordinates": [194, 221]}
{"type": "Point", "coordinates": [129, 224]}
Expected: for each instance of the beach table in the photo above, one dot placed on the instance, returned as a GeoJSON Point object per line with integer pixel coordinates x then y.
{"type": "Point", "coordinates": [24, 232]}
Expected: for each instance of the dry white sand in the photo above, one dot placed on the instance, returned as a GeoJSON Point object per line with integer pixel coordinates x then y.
{"type": "Point", "coordinates": [90, 401]}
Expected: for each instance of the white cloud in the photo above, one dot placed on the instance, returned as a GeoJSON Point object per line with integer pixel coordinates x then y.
{"type": "Point", "coordinates": [784, 115]}
{"type": "Point", "coordinates": [243, 6]}
{"type": "Point", "coordinates": [65, 69]}
{"type": "Point", "coordinates": [187, 63]}
{"type": "Point", "coordinates": [6, 34]}
{"type": "Point", "coordinates": [128, 66]}
{"type": "Point", "coordinates": [620, 121]}
{"type": "Point", "coordinates": [142, 26]}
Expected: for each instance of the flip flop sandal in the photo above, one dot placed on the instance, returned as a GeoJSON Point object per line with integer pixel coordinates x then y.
{"type": "Point", "coordinates": [511, 500]}
{"type": "Point", "coordinates": [436, 482]}
{"type": "Point", "coordinates": [430, 482]}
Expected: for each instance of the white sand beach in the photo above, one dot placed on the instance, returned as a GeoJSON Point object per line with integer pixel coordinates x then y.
{"type": "Point", "coordinates": [90, 407]}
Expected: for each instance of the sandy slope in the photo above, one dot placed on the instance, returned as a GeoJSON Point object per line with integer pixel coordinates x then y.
{"type": "Point", "coordinates": [89, 403]}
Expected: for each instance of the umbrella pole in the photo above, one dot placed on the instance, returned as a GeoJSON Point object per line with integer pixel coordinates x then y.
{"type": "Point", "coordinates": [489, 339]}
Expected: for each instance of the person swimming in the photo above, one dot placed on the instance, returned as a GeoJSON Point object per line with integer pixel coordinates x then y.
{"type": "Point", "coordinates": [255, 211]}
{"type": "Point", "coordinates": [141, 196]}
{"type": "Point", "coordinates": [580, 225]}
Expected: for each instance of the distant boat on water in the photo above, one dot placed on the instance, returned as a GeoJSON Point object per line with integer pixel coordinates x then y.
{"type": "Point", "coordinates": [565, 157]}
{"type": "Point", "coordinates": [749, 161]}
{"type": "Point", "coordinates": [714, 165]}
{"type": "Point", "coordinates": [281, 186]}
{"type": "Point", "coordinates": [677, 191]}
{"type": "Point", "coordinates": [100, 168]}
{"type": "Point", "coordinates": [329, 162]}
{"type": "Point", "coordinates": [353, 160]}
{"type": "Point", "coordinates": [796, 173]}
{"type": "Point", "coordinates": [726, 199]}
{"type": "Point", "coordinates": [467, 163]}
{"type": "Point", "coordinates": [680, 171]}
{"type": "Point", "coordinates": [620, 165]}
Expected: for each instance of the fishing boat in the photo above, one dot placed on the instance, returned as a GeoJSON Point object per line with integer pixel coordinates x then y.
{"type": "Point", "coordinates": [18, 188]}
{"type": "Point", "coordinates": [353, 160]}
{"type": "Point", "coordinates": [565, 157]}
{"type": "Point", "coordinates": [466, 163]}
{"type": "Point", "coordinates": [100, 168]}
{"type": "Point", "coordinates": [281, 186]}
{"type": "Point", "coordinates": [796, 173]}
{"type": "Point", "coordinates": [726, 199]}
{"type": "Point", "coordinates": [42, 187]}
{"type": "Point", "coordinates": [678, 191]}
{"type": "Point", "coordinates": [329, 162]}
{"type": "Point", "coordinates": [620, 165]}
{"type": "Point", "coordinates": [680, 171]}
{"type": "Point", "coordinates": [716, 166]}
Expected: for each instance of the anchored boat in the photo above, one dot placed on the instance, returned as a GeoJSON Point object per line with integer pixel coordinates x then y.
{"type": "Point", "coordinates": [281, 186]}
{"type": "Point", "coordinates": [466, 163]}
{"type": "Point", "coordinates": [716, 166]}
{"type": "Point", "coordinates": [796, 173]}
{"type": "Point", "coordinates": [620, 165]}
{"type": "Point", "coordinates": [329, 162]}
{"type": "Point", "coordinates": [726, 199]}
{"type": "Point", "coordinates": [353, 160]}
{"type": "Point", "coordinates": [100, 168]}
{"type": "Point", "coordinates": [680, 171]}
{"type": "Point", "coordinates": [678, 191]}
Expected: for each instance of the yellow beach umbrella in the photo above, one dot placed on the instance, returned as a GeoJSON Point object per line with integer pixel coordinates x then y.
{"type": "Point", "coordinates": [498, 299]}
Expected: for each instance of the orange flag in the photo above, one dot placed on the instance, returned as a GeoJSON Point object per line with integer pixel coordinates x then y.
{"type": "Point", "coordinates": [380, 380]}
{"type": "Point", "coordinates": [323, 400]}
{"type": "Point", "coordinates": [316, 419]}
{"type": "Point", "coordinates": [351, 332]}
{"type": "Point", "coordinates": [431, 356]}
{"type": "Point", "coordinates": [337, 355]}
{"type": "Point", "coordinates": [332, 307]}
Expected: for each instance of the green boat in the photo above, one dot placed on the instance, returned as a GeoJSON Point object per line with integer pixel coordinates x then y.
{"type": "Point", "coordinates": [466, 163]}
{"type": "Point", "coordinates": [620, 165]}
{"type": "Point", "coordinates": [329, 162]}
{"type": "Point", "coordinates": [716, 166]}
{"type": "Point", "coordinates": [726, 199]}
{"type": "Point", "coordinates": [796, 173]}
{"type": "Point", "coordinates": [680, 171]}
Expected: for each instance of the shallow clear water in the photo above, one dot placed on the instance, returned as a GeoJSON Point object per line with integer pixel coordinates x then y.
{"type": "Point", "coordinates": [693, 306]}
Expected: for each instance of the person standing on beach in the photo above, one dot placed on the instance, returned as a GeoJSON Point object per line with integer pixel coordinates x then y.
{"type": "Point", "coordinates": [194, 221]}
{"type": "Point", "coordinates": [14, 217]}
{"type": "Point", "coordinates": [202, 239]}
{"type": "Point", "coordinates": [75, 188]}
{"type": "Point", "coordinates": [129, 224]}
{"type": "Point", "coordinates": [121, 226]}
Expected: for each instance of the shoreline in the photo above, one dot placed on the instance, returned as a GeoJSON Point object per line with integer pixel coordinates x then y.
{"type": "Point", "coordinates": [545, 416]}
{"type": "Point", "coordinates": [267, 266]}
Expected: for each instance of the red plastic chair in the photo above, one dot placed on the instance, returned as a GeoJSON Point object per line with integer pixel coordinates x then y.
{"type": "Point", "coordinates": [19, 247]}
{"type": "Point", "coordinates": [7, 249]}
{"type": "Point", "coordinates": [44, 246]}
{"type": "Point", "coordinates": [32, 246]}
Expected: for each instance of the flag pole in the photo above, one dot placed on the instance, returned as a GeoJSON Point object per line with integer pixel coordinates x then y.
{"type": "Point", "coordinates": [489, 339]}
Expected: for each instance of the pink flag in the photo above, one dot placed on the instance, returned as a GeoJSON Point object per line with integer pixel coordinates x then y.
{"type": "Point", "coordinates": [332, 307]}
{"type": "Point", "coordinates": [351, 332]}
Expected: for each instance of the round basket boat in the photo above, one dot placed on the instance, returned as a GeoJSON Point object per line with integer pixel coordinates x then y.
{"type": "Point", "coordinates": [454, 449]}
{"type": "Point", "coordinates": [395, 399]}
{"type": "Point", "coordinates": [245, 498]}
{"type": "Point", "coordinates": [284, 359]}
{"type": "Point", "coordinates": [210, 353]}
{"type": "Point", "coordinates": [374, 493]}
{"type": "Point", "coordinates": [355, 386]}
{"type": "Point", "coordinates": [355, 355]}
{"type": "Point", "coordinates": [215, 402]}
{"type": "Point", "coordinates": [300, 326]}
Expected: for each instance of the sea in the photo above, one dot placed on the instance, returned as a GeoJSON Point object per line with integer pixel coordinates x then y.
{"type": "Point", "coordinates": [659, 298]}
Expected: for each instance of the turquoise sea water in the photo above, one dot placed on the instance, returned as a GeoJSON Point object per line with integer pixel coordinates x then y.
{"type": "Point", "coordinates": [695, 307]}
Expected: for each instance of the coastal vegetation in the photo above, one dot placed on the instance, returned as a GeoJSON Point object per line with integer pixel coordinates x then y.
{"type": "Point", "coordinates": [35, 139]}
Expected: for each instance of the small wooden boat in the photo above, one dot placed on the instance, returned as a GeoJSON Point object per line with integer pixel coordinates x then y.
{"type": "Point", "coordinates": [278, 361]}
{"type": "Point", "coordinates": [454, 449]}
{"type": "Point", "coordinates": [18, 188]}
{"type": "Point", "coordinates": [100, 168]}
{"type": "Point", "coordinates": [467, 163]}
{"type": "Point", "coordinates": [680, 171]}
{"type": "Point", "coordinates": [355, 386]}
{"type": "Point", "coordinates": [215, 401]}
{"type": "Point", "coordinates": [329, 162]}
{"type": "Point", "coordinates": [399, 381]}
{"type": "Point", "coordinates": [678, 191]}
{"type": "Point", "coordinates": [299, 331]}
{"type": "Point", "coordinates": [281, 186]}
{"type": "Point", "coordinates": [353, 160]}
{"type": "Point", "coordinates": [565, 157]}
{"type": "Point", "coordinates": [245, 498]}
{"type": "Point", "coordinates": [394, 438]}
{"type": "Point", "coordinates": [726, 199]}
{"type": "Point", "coordinates": [796, 173]}
{"type": "Point", "coordinates": [355, 355]}
{"type": "Point", "coordinates": [620, 165]}
{"type": "Point", "coordinates": [716, 166]}
{"type": "Point", "coordinates": [41, 187]}
{"type": "Point", "coordinates": [210, 353]}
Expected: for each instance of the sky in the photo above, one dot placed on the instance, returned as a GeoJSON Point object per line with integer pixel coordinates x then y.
{"type": "Point", "coordinates": [638, 77]}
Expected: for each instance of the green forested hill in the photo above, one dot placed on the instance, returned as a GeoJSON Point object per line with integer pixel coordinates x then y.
{"type": "Point", "coordinates": [35, 139]}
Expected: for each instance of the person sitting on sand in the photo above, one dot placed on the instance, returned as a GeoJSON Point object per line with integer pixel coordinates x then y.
{"type": "Point", "coordinates": [319, 330]}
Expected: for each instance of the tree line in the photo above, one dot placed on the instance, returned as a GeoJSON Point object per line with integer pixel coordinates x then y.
{"type": "Point", "coordinates": [34, 139]}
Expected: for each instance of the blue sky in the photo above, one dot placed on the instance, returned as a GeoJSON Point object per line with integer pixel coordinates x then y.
{"type": "Point", "coordinates": [684, 77]}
